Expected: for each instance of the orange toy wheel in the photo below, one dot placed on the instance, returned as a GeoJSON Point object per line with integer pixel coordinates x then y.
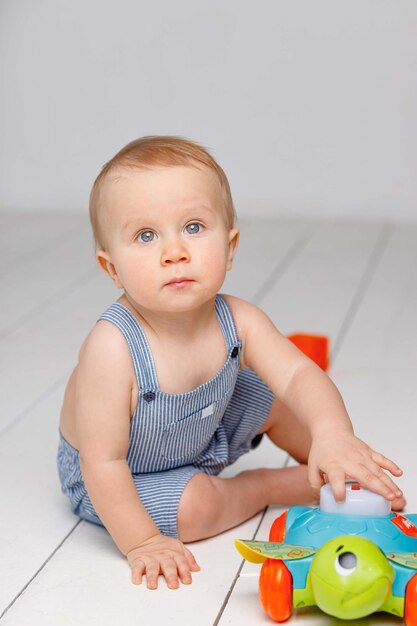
{"type": "Point", "coordinates": [275, 590]}
{"type": "Point", "coordinates": [410, 606]}
{"type": "Point", "coordinates": [277, 532]}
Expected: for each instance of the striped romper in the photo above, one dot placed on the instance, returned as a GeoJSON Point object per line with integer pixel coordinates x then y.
{"type": "Point", "coordinates": [175, 436]}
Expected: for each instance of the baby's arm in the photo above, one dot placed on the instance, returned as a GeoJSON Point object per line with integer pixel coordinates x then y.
{"type": "Point", "coordinates": [103, 409]}
{"type": "Point", "coordinates": [310, 394]}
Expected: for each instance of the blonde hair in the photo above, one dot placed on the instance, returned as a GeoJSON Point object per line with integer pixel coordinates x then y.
{"type": "Point", "coordinates": [158, 150]}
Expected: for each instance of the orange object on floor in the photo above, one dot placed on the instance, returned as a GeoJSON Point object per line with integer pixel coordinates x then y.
{"type": "Point", "coordinates": [410, 607]}
{"type": "Point", "coordinates": [275, 590]}
{"type": "Point", "coordinates": [316, 347]}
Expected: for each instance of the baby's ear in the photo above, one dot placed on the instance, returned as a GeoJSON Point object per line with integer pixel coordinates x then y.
{"type": "Point", "coordinates": [233, 240]}
{"type": "Point", "coordinates": [105, 263]}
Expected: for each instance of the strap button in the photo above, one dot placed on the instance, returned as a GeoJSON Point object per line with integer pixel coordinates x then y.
{"type": "Point", "coordinates": [234, 352]}
{"type": "Point", "coordinates": [149, 396]}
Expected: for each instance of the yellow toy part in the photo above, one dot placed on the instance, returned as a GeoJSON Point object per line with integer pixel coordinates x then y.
{"type": "Point", "coordinates": [259, 551]}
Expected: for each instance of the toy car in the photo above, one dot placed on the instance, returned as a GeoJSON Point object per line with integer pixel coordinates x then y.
{"type": "Point", "coordinates": [349, 559]}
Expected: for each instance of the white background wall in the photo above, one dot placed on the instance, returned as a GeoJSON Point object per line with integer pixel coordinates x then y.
{"type": "Point", "coordinates": [309, 105]}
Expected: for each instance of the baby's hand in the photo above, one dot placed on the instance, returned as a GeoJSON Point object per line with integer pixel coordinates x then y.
{"type": "Point", "coordinates": [343, 456]}
{"type": "Point", "coordinates": [162, 555]}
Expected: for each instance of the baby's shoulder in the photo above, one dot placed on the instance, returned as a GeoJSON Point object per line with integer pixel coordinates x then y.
{"type": "Point", "coordinates": [105, 346]}
{"type": "Point", "coordinates": [103, 380]}
{"type": "Point", "coordinates": [239, 306]}
{"type": "Point", "coordinates": [245, 314]}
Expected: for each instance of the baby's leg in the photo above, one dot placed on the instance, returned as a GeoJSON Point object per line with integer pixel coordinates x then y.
{"type": "Point", "coordinates": [210, 505]}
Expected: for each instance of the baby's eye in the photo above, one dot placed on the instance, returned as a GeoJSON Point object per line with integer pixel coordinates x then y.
{"type": "Point", "coordinates": [194, 228]}
{"type": "Point", "coordinates": [146, 236]}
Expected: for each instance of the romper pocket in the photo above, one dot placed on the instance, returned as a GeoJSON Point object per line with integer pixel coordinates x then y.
{"type": "Point", "coordinates": [187, 438]}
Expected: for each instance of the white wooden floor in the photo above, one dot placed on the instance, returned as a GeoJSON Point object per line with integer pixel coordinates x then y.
{"type": "Point", "coordinates": [356, 282]}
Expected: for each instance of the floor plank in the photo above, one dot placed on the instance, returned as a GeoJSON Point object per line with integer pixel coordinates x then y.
{"type": "Point", "coordinates": [87, 582]}
{"type": "Point", "coordinates": [264, 252]}
{"type": "Point", "coordinates": [28, 236]}
{"type": "Point", "coordinates": [45, 279]}
{"type": "Point", "coordinates": [315, 292]}
{"type": "Point", "coordinates": [35, 515]}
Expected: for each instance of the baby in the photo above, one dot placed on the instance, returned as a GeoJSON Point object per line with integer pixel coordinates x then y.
{"type": "Point", "coordinates": [175, 381]}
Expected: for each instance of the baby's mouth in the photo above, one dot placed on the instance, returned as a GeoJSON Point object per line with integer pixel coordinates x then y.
{"type": "Point", "coordinates": [181, 281]}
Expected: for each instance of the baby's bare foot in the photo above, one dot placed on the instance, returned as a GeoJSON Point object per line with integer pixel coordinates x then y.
{"type": "Point", "coordinates": [290, 485]}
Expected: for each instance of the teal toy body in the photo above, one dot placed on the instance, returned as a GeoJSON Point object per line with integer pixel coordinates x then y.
{"type": "Point", "coordinates": [340, 558]}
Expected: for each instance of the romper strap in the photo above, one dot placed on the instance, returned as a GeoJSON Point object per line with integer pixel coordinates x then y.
{"type": "Point", "coordinates": [227, 324]}
{"type": "Point", "coordinates": [138, 345]}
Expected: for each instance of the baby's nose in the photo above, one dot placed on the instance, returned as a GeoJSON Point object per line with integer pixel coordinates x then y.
{"type": "Point", "coordinates": [174, 252]}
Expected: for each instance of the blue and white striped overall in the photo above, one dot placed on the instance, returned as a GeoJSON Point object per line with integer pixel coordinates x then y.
{"type": "Point", "coordinates": [175, 436]}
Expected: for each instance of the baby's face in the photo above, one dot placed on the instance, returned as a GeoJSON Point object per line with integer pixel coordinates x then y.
{"type": "Point", "coordinates": [167, 241]}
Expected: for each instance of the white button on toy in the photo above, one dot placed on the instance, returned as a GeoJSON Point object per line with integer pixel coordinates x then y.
{"type": "Point", "coordinates": [358, 501]}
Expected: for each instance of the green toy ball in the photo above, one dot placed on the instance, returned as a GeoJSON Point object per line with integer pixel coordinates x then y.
{"type": "Point", "coordinates": [350, 577]}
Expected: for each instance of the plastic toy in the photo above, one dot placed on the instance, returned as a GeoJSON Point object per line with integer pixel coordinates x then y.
{"type": "Point", "coordinates": [314, 346]}
{"type": "Point", "coordinates": [349, 559]}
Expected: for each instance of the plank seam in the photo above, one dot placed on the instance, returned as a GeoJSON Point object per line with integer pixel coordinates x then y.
{"type": "Point", "coordinates": [15, 420]}
{"type": "Point", "coordinates": [371, 267]}
{"type": "Point", "coordinates": [69, 234]}
{"type": "Point", "coordinates": [285, 262]}
{"type": "Point", "coordinates": [40, 308]}
{"type": "Point", "coordinates": [237, 576]}
{"type": "Point", "coordinates": [40, 569]}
